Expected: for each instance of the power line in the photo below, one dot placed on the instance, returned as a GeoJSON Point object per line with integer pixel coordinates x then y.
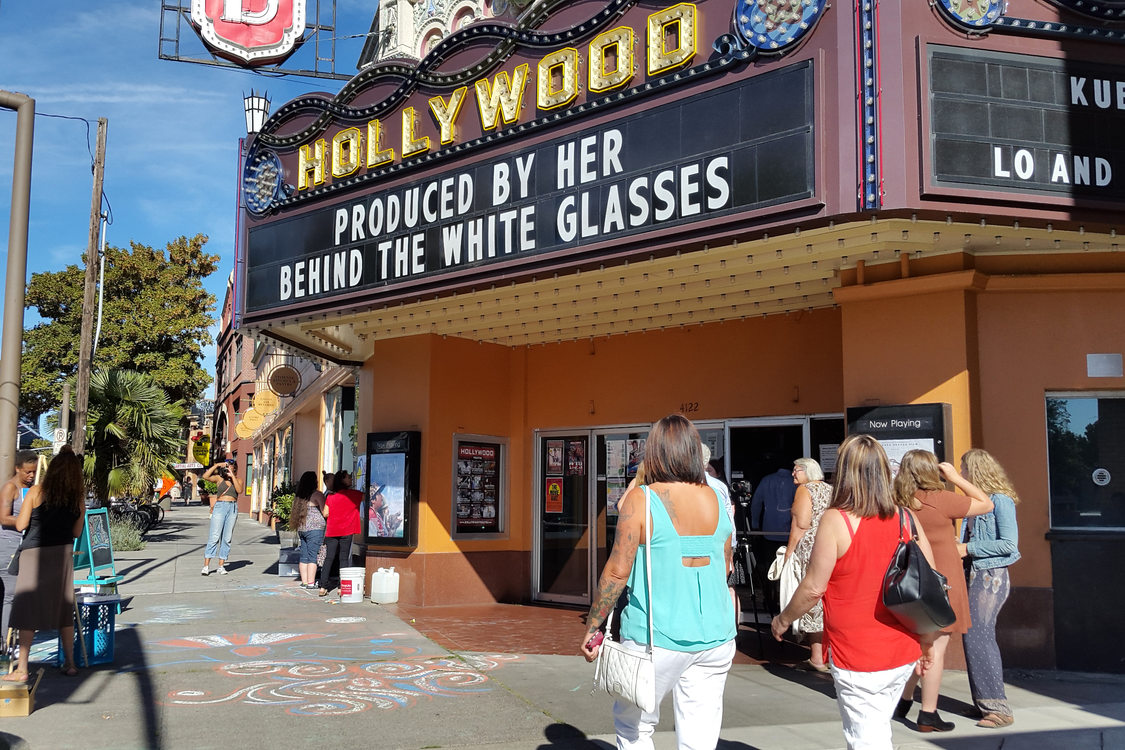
{"type": "Point", "coordinates": [89, 149]}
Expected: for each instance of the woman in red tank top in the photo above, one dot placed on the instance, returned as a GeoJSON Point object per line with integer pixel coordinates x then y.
{"type": "Point", "coordinates": [870, 654]}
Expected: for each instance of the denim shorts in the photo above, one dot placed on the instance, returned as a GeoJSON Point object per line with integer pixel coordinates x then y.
{"type": "Point", "coordinates": [310, 544]}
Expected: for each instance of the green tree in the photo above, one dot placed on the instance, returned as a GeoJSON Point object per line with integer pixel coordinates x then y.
{"type": "Point", "coordinates": [133, 432]}
{"type": "Point", "coordinates": [156, 320]}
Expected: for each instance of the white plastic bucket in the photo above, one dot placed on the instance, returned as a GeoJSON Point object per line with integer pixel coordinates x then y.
{"type": "Point", "coordinates": [384, 586]}
{"type": "Point", "coordinates": [351, 584]}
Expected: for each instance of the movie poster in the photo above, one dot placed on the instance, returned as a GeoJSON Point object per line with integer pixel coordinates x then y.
{"type": "Point", "coordinates": [897, 448]}
{"type": "Point", "coordinates": [478, 487]}
{"type": "Point", "coordinates": [553, 497]}
{"type": "Point", "coordinates": [636, 455]}
{"type": "Point", "coordinates": [386, 495]}
{"type": "Point", "coordinates": [576, 457]}
{"type": "Point", "coordinates": [614, 491]}
{"type": "Point", "coordinates": [555, 458]}
{"type": "Point", "coordinates": [615, 458]}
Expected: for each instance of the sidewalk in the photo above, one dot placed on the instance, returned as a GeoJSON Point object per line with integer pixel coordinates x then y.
{"type": "Point", "coordinates": [250, 660]}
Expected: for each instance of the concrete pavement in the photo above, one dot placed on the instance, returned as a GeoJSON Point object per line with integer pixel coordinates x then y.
{"type": "Point", "coordinates": [250, 660]}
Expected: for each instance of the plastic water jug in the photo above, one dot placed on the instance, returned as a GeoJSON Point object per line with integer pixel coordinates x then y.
{"type": "Point", "coordinates": [384, 586]}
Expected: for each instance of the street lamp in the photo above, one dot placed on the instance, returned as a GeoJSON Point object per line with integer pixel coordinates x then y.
{"type": "Point", "coordinates": [257, 108]}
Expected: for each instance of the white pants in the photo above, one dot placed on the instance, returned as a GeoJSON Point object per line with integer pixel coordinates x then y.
{"type": "Point", "coordinates": [867, 702]}
{"type": "Point", "coordinates": [696, 680]}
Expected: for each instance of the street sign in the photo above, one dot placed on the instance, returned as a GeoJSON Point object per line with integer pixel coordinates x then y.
{"type": "Point", "coordinates": [59, 436]}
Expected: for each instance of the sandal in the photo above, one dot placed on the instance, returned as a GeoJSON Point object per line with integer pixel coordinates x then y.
{"type": "Point", "coordinates": [15, 677]}
{"type": "Point", "coordinates": [322, 592]}
{"type": "Point", "coordinates": [996, 721]}
{"type": "Point", "coordinates": [70, 671]}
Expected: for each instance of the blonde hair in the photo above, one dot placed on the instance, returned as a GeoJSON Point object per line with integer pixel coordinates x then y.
{"type": "Point", "coordinates": [812, 469]}
{"type": "Point", "coordinates": [986, 472]}
{"type": "Point", "coordinates": [917, 471]}
{"type": "Point", "coordinates": [863, 479]}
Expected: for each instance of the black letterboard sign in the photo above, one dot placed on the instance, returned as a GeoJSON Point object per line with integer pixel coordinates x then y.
{"type": "Point", "coordinates": [1027, 124]}
{"type": "Point", "coordinates": [741, 147]}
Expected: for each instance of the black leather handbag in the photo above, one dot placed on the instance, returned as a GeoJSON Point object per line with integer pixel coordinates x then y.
{"type": "Point", "coordinates": [915, 593]}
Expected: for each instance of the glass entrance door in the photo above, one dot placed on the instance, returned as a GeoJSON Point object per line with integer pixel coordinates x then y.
{"type": "Point", "coordinates": [564, 540]}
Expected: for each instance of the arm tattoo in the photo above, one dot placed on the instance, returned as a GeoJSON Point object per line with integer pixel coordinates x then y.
{"type": "Point", "coordinates": [617, 568]}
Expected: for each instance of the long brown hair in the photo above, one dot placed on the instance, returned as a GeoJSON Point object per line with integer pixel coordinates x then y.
{"type": "Point", "coordinates": [673, 453]}
{"type": "Point", "coordinates": [63, 487]}
{"type": "Point", "coordinates": [306, 486]}
{"type": "Point", "coordinates": [983, 470]}
{"type": "Point", "coordinates": [863, 479]}
{"type": "Point", "coordinates": [917, 471]}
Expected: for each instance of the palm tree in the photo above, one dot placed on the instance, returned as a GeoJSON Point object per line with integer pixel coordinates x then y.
{"type": "Point", "coordinates": [132, 432]}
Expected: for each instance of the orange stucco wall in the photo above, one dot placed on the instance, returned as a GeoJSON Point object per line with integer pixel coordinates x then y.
{"type": "Point", "coordinates": [905, 347]}
{"type": "Point", "coordinates": [1034, 342]}
{"type": "Point", "coordinates": [993, 347]}
{"type": "Point", "coordinates": [780, 365]}
{"type": "Point", "coordinates": [784, 364]}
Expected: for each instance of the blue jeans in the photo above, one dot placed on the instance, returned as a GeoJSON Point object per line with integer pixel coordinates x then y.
{"type": "Point", "coordinates": [310, 545]}
{"type": "Point", "coordinates": [223, 517]}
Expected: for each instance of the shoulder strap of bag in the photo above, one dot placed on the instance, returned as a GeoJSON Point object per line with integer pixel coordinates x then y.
{"type": "Point", "coordinates": [648, 576]}
{"type": "Point", "coordinates": [905, 519]}
{"type": "Point", "coordinates": [648, 561]}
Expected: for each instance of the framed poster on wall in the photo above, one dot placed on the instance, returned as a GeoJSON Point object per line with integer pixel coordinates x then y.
{"type": "Point", "coordinates": [393, 470]}
{"type": "Point", "coordinates": [479, 486]}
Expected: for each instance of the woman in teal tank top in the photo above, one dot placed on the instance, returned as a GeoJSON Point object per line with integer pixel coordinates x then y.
{"type": "Point", "coordinates": [692, 614]}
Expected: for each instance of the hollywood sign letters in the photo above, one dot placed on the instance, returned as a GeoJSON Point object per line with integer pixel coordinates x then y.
{"type": "Point", "coordinates": [670, 41]}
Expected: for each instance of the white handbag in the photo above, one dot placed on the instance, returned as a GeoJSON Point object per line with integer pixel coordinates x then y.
{"type": "Point", "coordinates": [625, 674]}
{"type": "Point", "coordinates": [785, 573]}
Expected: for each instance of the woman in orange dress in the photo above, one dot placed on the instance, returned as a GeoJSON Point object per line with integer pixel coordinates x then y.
{"type": "Point", "coordinates": [919, 487]}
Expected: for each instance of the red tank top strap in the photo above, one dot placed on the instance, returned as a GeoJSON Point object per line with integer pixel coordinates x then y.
{"type": "Point", "coordinates": [848, 521]}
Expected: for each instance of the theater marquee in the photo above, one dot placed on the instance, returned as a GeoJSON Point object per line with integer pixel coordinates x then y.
{"type": "Point", "coordinates": [513, 160]}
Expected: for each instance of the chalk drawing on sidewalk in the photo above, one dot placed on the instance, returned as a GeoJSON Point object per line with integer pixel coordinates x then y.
{"type": "Point", "coordinates": [334, 689]}
{"type": "Point", "coordinates": [345, 620]}
{"type": "Point", "coordinates": [174, 614]}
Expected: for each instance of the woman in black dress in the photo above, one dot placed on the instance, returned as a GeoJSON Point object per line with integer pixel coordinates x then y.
{"type": "Point", "coordinates": [52, 514]}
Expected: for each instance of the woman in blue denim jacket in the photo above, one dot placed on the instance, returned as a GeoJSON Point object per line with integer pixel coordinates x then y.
{"type": "Point", "coordinates": [990, 543]}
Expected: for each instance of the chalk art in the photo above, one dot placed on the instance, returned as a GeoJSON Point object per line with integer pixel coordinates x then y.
{"type": "Point", "coordinates": [345, 620]}
{"type": "Point", "coordinates": [336, 689]}
{"type": "Point", "coordinates": [294, 671]}
{"type": "Point", "coordinates": [174, 614]}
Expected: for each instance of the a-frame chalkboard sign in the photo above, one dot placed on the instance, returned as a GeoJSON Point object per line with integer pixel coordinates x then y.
{"type": "Point", "coordinates": [93, 553]}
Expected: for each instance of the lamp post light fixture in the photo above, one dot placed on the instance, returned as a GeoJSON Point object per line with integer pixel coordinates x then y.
{"type": "Point", "coordinates": [257, 108]}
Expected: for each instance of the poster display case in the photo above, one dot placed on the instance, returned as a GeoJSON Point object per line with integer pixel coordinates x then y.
{"type": "Point", "coordinates": [479, 486]}
{"type": "Point", "coordinates": [391, 495]}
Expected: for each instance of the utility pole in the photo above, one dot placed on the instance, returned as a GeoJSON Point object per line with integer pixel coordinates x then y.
{"type": "Point", "coordinates": [85, 349]}
{"type": "Point", "coordinates": [64, 413]}
{"type": "Point", "coordinates": [11, 352]}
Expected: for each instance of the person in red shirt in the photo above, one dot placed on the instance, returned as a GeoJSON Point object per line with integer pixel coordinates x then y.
{"type": "Point", "coordinates": [870, 654]}
{"type": "Point", "coordinates": [341, 512]}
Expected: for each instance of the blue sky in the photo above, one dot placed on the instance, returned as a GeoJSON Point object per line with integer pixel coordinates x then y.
{"type": "Point", "coordinates": [172, 147]}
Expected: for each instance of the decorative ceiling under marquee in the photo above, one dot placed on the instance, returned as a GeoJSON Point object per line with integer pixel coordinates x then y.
{"type": "Point", "coordinates": [767, 275]}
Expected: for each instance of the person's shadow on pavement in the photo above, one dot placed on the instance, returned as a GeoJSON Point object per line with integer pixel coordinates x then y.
{"type": "Point", "coordinates": [561, 735]}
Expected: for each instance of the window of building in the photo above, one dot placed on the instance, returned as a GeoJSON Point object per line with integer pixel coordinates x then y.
{"type": "Point", "coordinates": [1086, 460]}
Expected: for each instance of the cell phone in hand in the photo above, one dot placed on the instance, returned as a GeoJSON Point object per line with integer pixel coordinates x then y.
{"type": "Point", "coordinates": [596, 639]}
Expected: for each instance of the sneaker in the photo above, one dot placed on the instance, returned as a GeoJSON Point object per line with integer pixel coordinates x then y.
{"type": "Point", "coordinates": [205, 571]}
{"type": "Point", "coordinates": [223, 570]}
